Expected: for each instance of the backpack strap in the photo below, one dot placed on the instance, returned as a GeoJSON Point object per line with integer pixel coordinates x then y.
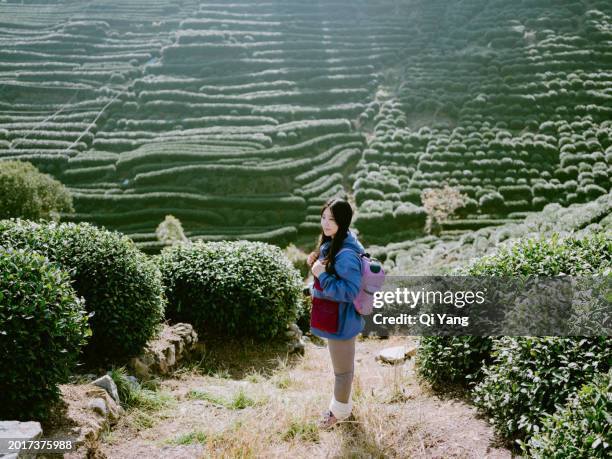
{"type": "Point", "coordinates": [365, 254]}
{"type": "Point", "coordinates": [359, 255]}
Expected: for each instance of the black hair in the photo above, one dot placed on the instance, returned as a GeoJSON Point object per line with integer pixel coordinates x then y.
{"type": "Point", "coordinates": [343, 215]}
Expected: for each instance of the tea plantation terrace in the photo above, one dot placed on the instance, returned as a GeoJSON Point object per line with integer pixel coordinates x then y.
{"type": "Point", "coordinates": [241, 118]}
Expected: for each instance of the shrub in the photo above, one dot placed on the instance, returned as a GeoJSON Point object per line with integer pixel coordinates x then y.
{"type": "Point", "coordinates": [582, 428]}
{"type": "Point", "coordinates": [459, 359]}
{"type": "Point", "coordinates": [170, 231]}
{"type": "Point", "coordinates": [303, 314]}
{"type": "Point", "coordinates": [42, 328]}
{"type": "Point", "coordinates": [408, 214]}
{"type": "Point", "coordinates": [121, 286]}
{"type": "Point", "coordinates": [531, 259]}
{"type": "Point", "coordinates": [27, 193]}
{"type": "Point", "coordinates": [439, 204]}
{"type": "Point", "coordinates": [453, 359]}
{"type": "Point", "coordinates": [491, 202]}
{"type": "Point", "coordinates": [241, 288]}
{"type": "Point", "coordinates": [530, 376]}
{"type": "Point", "coordinates": [552, 256]}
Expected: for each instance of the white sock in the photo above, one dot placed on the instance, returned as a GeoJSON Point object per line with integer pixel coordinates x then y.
{"type": "Point", "coordinates": [340, 410]}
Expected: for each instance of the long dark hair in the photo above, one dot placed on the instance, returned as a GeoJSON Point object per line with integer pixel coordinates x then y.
{"type": "Point", "coordinates": [343, 214]}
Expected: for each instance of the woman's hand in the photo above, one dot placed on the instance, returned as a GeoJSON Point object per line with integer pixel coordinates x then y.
{"type": "Point", "coordinates": [312, 258]}
{"type": "Point", "coordinates": [317, 268]}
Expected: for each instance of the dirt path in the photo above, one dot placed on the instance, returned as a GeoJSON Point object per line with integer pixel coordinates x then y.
{"type": "Point", "coordinates": [269, 407]}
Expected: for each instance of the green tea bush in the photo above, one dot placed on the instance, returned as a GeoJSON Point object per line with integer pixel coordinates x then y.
{"type": "Point", "coordinates": [120, 284]}
{"type": "Point", "coordinates": [460, 359]}
{"type": "Point", "coordinates": [582, 428]}
{"type": "Point", "coordinates": [453, 359]}
{"type": "Point", "coordinates": [530, 376]}
{"type": "Point", "coordinates": [552, 256]}
{"type": "Point", "coordinates": [240, 288]}
{"type": "Point", "coordinates": [27, 193]}
{"type": "Point", "coordinates": [43, 326]}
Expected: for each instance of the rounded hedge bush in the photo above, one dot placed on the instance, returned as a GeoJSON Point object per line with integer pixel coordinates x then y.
{"type": "Point", "coordinates": [240, 288]}
{"type": "Point", "coordinates": [28, 193]}
{"type": "Point", "coordinates": [43, 325]}
{"type": "Point", "coordinates": [453, 359]}
{"type": "Point", "coordinates": [460, 359]}
{"type": "Point", "coordinates": [582, 428]}
{"type": "Point", "coordinates": [550, 256]}
{"type": "Point", "coordinates": [120, 284]}
{"type": "Point", "coordinates": [530, 376]}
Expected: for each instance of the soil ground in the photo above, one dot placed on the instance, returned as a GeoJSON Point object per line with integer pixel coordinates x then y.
{"type": "Point", "coordinates": [248, 402]}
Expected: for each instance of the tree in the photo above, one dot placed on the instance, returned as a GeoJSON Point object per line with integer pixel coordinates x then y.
{"type": "Point", "coordinates": [170, 231]}
{"type": "Point", "coordinates": [440, 204]}
{"type": "Point", "coordinates": [27, 193]}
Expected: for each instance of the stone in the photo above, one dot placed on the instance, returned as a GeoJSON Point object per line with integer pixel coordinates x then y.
{"type": "Point", "coordinates": [297, 347]}
{"type": "Point", "coordinates": [170, 355]}
{"type": "Point", "coordinates": [107, 383]}
{"type": "Point", "coordinates": [98, 405]}
{"type": "Point", "coordinates": [393, 355]}
{"type": "Point", "coordinates": [412, 351]}
{"type": "Point", "coordinates": [112, 411]}
{"type": "Point", "coordinates": [139, 368]}
{"type": "Point", "coordinates": [17, 430]}
{"type": "Point", "coordinates": [179, 345]}
{"type": "Point", "coordinates": [162, 354]}
{"type": "Point", "coordinates": [89, 411]}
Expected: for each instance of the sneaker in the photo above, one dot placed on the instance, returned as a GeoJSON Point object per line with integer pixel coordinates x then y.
{"type": "Point", "coordinates": [328, 420]}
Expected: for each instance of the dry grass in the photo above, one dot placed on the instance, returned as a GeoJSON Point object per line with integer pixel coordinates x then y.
{"type": "Point", "coordinates": [269, 407]}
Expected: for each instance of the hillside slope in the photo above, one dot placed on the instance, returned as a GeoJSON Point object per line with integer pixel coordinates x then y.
{"type": "Point", "coordinates": [241, 118]}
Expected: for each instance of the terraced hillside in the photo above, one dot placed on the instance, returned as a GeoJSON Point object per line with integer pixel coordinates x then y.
{"type": "Point", "coordinates": [241, 118]}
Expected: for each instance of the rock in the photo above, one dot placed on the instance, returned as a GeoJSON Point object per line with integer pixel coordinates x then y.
{"type": "Point", "coordinates": [98, 405]}
{"type": "Point", "coordinates": [17, 430]}
{"type": "Point", "coordinates": [170, 355]}
{"type": "Point", "coordinates": [107, 383]}
{"type": "Point", "coordinates": [297, 347]}
{"type": "Point", "coordinates": [393, 355]}
{"type": "Point", "coordinates": [113, 410]}
{"type": "Point", "coordinates": [163, 354]}
{"type": "Point", "coordinates": [89, 410]}
{"type": "Point", "coordinates": [139, 367]}
{"type": "Point", "coordinates": [293, 334]}
{"type": "Point", "coordinates": [412, 351]}
{"type": "Point", "coordinates": [90, 377]}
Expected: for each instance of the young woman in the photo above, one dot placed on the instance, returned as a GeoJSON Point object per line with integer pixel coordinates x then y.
{"type": "Point", "coordinates": [337, 283]}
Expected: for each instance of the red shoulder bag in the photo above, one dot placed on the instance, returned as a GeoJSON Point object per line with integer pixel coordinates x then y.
{"type": "Point", "coordinates": [324, 314]}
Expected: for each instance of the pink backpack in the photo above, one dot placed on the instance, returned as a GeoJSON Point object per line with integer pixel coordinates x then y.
{"type": "Point", "coordinates": [372, 279]}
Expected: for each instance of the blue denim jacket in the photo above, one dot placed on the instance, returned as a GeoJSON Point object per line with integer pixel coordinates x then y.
{"type": "Point", "coordinates": [343, 289]}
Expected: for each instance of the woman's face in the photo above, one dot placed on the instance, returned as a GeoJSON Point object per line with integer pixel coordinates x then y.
{"type": "Point", "coordinates": [328, 224]}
